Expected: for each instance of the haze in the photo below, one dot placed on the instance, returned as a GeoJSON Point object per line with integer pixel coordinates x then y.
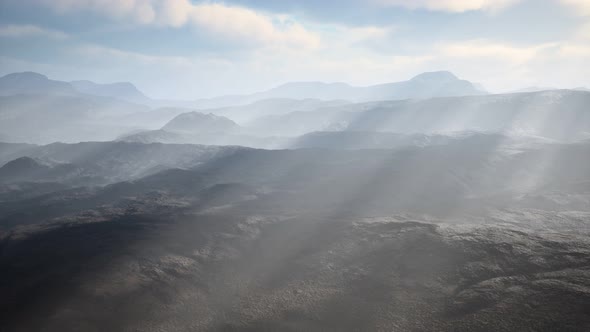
{"type": "Point", "coordinates": [251, 165]}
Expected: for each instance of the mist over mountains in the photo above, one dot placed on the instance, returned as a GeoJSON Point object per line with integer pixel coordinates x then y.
{"type": "Point", "coordinates": [296, 166]}
{"type": "Point", "coordinates": [423, 205]}
{"type": "Point", "coordinates": [426, 85]}
{"type": "Point", "coordinates": [430, 103]}
{"type": "Point", "coordinates": [122, 90]}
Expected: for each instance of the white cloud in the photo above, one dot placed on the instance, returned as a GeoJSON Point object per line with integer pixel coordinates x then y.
{"type": "Point", "coordinates": [488, 49]}
{"type": "Point", "coordinates": [368, 33]}
{"type": "Point", "coordinates": [358, 55]}
{"type": "Point", "coordinates": [583, 33]}
{"type": "Point", "coordinates": [17, 31]}
{"type": "Point", "coordinates": [456, 6]}
{"type": "Point", "coordinates": [232, 23]}
{"type": "Point", "coordinates": [504, 66]}
{"type": "Point", "coordinates": [139, 10]}
{"type": "Point", "coordinates": [581, 7]}
{"type": "Point", "coordinates": [241, 23]}
{"type": "Point", "coordinates": [499, 66]}
{"type": "Point", "coordinates": [98, 53]}
{"type": "Point", "coordinates": [571, 50]}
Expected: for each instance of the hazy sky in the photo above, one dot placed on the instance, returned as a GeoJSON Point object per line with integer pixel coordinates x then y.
{"type": "Point", "coordinates": [191, 49]}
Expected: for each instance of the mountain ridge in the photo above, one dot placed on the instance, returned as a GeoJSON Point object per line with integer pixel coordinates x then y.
{"type": "Point", "coordinates": [424, 85]}
{"type": "Point", "coordinates": [120, 90]}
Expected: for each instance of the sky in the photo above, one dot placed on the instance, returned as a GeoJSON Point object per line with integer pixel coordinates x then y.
{"type": "Point", "coordinates": [182, 49]}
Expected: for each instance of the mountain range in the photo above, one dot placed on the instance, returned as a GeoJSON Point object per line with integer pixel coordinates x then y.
{"type": "Point", "coordinates": [426, 85]}
{"type": "Point", "coordinates": [37, 109]}
{"type": "Point", "coordinates": [558, 115]}
{"type": "Point", "coordinates": [424, 205]}
{"type": "Point", "coordinates": [122, 90]}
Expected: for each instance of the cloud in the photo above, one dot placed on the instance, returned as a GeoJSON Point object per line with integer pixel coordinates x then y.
{"type": "Point", "coordinates": [233, 23]}
{"type": "Point", "coordinates": [455, 6]}
{"type": "Point", "coordinates": [474, 49]}
{"type": "Point", "coordinates": [17, 31]}
{"type": "Point", "coordinates": [570, 50]}
{"type": "Point", "coordinates": [583, 33]}
{"type": "Point", "coordinates": [102, 53]}
{"type": "Point", "coordinates": [284, 47]}
{"type": "Point", "coordinates": [369, 33]}
{"type": "Point", "coordinates": [239, 23]}
{"type": "Point", "coordinates": [160, 76]}
{"type": "Point", "coordinates": [141, 11]}
{"type": "Point", "coordinates": [504, 66]}
{"type": "Point", "coordinates": [581, 7]}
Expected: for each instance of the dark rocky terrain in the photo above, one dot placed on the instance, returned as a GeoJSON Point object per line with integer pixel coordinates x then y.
{"type": "Point", "coordinates": [474, 233]}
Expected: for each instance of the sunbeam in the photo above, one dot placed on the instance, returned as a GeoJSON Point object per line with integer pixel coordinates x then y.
{"type": "Point", "coordinates": [256, 165]}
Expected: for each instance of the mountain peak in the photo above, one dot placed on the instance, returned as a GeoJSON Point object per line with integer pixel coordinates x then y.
{"type": "Point", "coordinates": [435, 76]}
{"type": "Point", "coordinates": [22, 164]}
{"type": "Point", "coordinates": [196, 122]}
{"type": "Point", "coordinates": [31, 82]}
{"type": "Point", "coordinates": [26, 75]}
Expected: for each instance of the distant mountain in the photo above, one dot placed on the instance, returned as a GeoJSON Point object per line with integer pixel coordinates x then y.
{"type": "Point", "coordinates": [35, 83]}
{"type": "Point", "coordinates": [212, 129]}
{"type": "Point", "coordinates": [245, 114]}
{"type": "Point", "coordinates": [121, 90]}
{"type": "Point", "coordinates": [152, 119]}
{"type": "Point", "coordinates": [35, 170]}
{"type": "Point", "coordinates": [196, 128]}
{"type": "Point", "coordinates": [156, 136]}
{"type": "Point", "coordinates": [36, 109]}
{"type": "Point", "coordinates": [195, 122]}
{"type": "Point", "coordinates": [22, 165]}
{"type": "Point", "coordinates": [32, 83]}
{"type": "Point", "coordinates": [10, 151]}
{"type": "Point", "coordinates": [533, 89]}
{"type": "Point", "coordinates": [100, 162]}
{"type": "Point", "coordinates": [557, 114]}
{"type": "Point", "coordinates": [426, 85]}
{"type": "Point", "coordinates": [45, 118]}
